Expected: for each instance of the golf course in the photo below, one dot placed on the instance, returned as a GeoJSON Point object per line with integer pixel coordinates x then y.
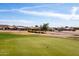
{"type": "Point", "coordinates": [37, 45]}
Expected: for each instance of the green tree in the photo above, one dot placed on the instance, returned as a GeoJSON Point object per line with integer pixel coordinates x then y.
{"type": "Point", "coordinates": [44, 27]}
{"type": "Point", "coordinates": [36, 26]}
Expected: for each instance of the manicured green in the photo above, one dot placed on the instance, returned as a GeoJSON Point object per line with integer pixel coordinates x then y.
{"type": "Point", "coordinates": [36, 45]}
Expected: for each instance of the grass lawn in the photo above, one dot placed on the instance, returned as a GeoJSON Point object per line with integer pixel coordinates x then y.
{"type": "Point", "coordinates": [36, 45]}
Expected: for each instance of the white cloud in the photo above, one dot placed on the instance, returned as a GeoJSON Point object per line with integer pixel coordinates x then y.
{"type": "Point", "coordinates": [71, 16]}
{"type": "Point", "coordinates": [74, 16]}
{"type": "Point", "coordinates": [23, 8]}
{"type": "Point", "coordinates": [4, 10]}
{"type": "Point", "coordinates": [8, 10]}
{"type": "Point", "coordinates": [32, 7]}
{"type": "Point", "coordinates": [63, 16]}
{"type": "Point", "coordinates": [17, 22]}
{"type": "Point", "coordinates": [74, 10]}
{"type": "Point", "coordinates": [47, 14]}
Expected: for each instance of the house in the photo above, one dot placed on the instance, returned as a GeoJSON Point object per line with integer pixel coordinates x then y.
{"type": "Point", "coordinates": [8, 27]}
{"type": "Point", "coordinates": [69, 29]}
{"type": "Point", "coordinates": [4, 27]}
{"type": "Point", "coordinates": [21, 28]}
{"type": "Point", "coordinates": [64, 29]}
{"type": "Point", "coordinates": [12, 27]}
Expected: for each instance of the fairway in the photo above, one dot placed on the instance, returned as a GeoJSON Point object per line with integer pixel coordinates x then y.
{"type": "Point", "coordinates": [37, 45]}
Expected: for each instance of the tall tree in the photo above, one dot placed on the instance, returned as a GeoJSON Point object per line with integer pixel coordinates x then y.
{"type": "Point", "coordinates": [36, 26]}
{"type": "Point", "coordinates": [45, 27]}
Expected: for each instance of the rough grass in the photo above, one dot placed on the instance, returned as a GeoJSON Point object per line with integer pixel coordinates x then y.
{"type": "Point", "coordinates": [36, 45]}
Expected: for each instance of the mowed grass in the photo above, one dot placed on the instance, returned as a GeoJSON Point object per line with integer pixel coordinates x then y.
{"type": "Point", "coordinates": [36, 45]}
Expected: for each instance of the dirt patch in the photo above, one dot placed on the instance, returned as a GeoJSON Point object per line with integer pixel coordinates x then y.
{"type": "Point", "coordinates": [58, 34]}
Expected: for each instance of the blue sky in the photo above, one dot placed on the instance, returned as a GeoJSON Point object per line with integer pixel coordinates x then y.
{"type": "Point", "coordinates": [30, 14]}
